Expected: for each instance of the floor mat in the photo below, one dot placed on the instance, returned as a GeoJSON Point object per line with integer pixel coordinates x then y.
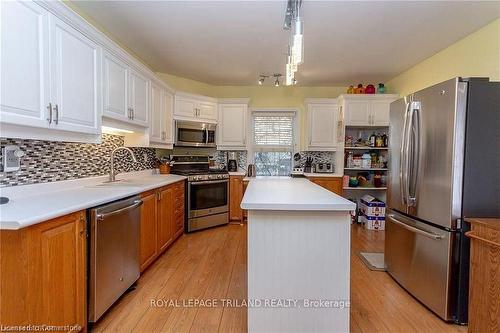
{"type": "Point", "coordinates": [374, 260]}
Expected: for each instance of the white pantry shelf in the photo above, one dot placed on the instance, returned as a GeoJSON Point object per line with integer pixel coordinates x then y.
{"type": "Point", "coordinates": [366, 148]}
{"type": "Point", "coordinates": [366, 169]}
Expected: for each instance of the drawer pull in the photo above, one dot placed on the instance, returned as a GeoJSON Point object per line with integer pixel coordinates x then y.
{"type": "Point", "coordinates": [471, 234]}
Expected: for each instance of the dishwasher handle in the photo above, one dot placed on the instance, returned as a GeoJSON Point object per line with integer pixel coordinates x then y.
{"type": "Point", "coordinates": [136, 204]}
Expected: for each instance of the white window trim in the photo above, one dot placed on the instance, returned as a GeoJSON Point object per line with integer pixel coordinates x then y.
{"type": "Point", "coordinates": [296, 129]}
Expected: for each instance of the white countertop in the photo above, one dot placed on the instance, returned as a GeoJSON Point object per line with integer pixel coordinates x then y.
{"type": "Point", "coordinates": [286, 193]}
{"type": "Point", "coordinates": [32, 204]}
{"type": "Point", "coordinates": [317, 174]}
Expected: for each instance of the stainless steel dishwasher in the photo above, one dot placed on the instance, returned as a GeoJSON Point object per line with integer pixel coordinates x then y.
{"type": "Point", "coordinates": [114, 252]}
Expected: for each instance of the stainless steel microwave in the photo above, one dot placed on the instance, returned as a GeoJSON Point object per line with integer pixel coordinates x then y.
{"type": "Point", "coordinates": [194, 134]}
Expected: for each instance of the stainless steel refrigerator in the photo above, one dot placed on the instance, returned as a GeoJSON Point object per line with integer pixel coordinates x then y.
{"type": "Point", "coordinates": [444, 156]}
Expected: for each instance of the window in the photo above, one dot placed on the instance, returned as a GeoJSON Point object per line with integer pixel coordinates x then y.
{"type": "Point", "coordinates": [273, 142]}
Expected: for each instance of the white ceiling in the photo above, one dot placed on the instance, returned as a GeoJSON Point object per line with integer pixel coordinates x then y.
{"type": "Point", "coordinates": [232, 42]}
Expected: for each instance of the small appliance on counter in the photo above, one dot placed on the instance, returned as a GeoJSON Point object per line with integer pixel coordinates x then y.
{"type": "Point", "coordinates": [324, 168]}
{"type": "Point", "coordinates": [308, 165]}
{"type": "Point", "coordinates": [251, 172]}
{"type": "Point", "coordinates": [232, 161]}
{"type": "Point", "coordinates": [297, 173]}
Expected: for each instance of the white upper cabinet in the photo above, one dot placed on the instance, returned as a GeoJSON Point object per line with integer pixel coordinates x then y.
{"type": "Point", "coordinates": [168, 119]}
{"type": "Point", "coordinates": [380, 112]}
{"type": "Point", "coordinates": [357, 113]}
{"type": "Point", "coordinates": [232, 125]}
{"type": "Point", "coordinates": [367, 110]}
{"type": "Point", "coordinates": [24, 64]}
{"type": "Point", "coordinates": [126, 92]}
{"type": "Point", "coordinates": [155, 128]}
{"type": "Point", "coordinates": [160, 128]}
{"type": "Point", "coordinates": [323, 124]}
{"type": "Point", "coordinates": [51, 77]}
{"type": "Point", "coordinates": [195, 108]}
{"type": "Point", "coordinates": [76, 90]}
{"type": "Point", "coordinates": [115, 79]}
{"type": "Point", "coordinates": [207, 110]}
{"type": "Point", "coordinates": [139, 97]}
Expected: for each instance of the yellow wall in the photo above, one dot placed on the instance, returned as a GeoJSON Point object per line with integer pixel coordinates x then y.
{"type": "Point", "coordinates": [475, 55]}
{"type": "Point", "coordinates": [187, 85]}
{"type": "Point", "coordinates": [267, 96]}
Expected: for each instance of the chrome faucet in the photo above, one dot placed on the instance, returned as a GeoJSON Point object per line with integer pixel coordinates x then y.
{"type": "Point", "coordinates": [112, 172]}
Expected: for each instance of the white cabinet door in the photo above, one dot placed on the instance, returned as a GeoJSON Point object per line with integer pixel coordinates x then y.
{"type": "Point", "coordinates": [168, 106]}
{"type": "Point", "coordinates": [156, 127]}
{"type": "Point", "coordinates": [185, 107]}
{"type": "Point", "coordinates": [322, 125]}
{"type": "Point", "coordinates": [357, 113]}
{"type": "Point", "coordinates": [232, 125]}
{"type": "Point", "coordinates": [207, 110]}
{"type": "Point", "coordinates": [115, 77]}
{"type": "Point", "coordinates": [24, 64]}
{"type": "Point", "coordinates": [75, 62]}
{"type": "Point", "coordinates": [139, 98]}
{"type": "Point", "coordinates": [380, 113]}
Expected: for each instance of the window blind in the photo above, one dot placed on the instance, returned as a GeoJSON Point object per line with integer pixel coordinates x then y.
{"type": "Point", "coordinates": [273, 130]}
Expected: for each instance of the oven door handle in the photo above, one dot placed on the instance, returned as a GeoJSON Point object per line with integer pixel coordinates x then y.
{"type": "Point", "coordinates": [209, 182]}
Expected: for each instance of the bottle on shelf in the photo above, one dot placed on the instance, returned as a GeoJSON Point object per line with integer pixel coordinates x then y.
{"type": "Point", "coordinates": [350, 160]}
{"type": "Point", "coordinates": [381, 88]}
{"type": "Point", "coordinates": [359, 89]}
{"type": "Point", "coordinates": [372, 140]}
{"type": "Point", "coordinates": [379, 142]}
{"type": "Point", "coordinates": [366, 161]}
{"type": "Point", "coordinates": [385, 139]}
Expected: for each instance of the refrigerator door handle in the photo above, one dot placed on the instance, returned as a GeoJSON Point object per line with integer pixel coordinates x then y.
{"type": "Point", "coordinates": [414, 229]}
{"type": "Point", "coordinates": [406, 172]}
{"type": "Point", "coordinates": [403, 172]}
{"type": "Point", "coordinates": [414, 140]}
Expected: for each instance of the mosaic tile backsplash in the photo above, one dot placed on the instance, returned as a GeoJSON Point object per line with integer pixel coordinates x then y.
{"type": "Point", "coordinates": [220, 158]}
{"type": "Point", "coordinates": [317, 156]}
{"type": "Point", "coordinates": [49, 161]}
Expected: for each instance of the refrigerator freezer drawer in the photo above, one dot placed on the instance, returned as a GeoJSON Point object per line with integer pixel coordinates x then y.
{"type": "Point", "coordinates": [418, 257]}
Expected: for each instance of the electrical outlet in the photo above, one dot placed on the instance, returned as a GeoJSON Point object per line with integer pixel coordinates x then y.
{"type": "Point", "coordinates": [11, 156]}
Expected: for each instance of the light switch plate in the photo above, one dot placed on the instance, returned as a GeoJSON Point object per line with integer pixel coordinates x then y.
{"type": "Point", "coordinates": [11, 159]}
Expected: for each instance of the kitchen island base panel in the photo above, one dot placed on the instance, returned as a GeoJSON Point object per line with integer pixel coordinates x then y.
{"type": "Point", "coordinates": [299, 255]}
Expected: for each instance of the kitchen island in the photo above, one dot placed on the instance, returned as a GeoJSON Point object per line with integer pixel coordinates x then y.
{"type": "Point", "coordinates": [298, 256]}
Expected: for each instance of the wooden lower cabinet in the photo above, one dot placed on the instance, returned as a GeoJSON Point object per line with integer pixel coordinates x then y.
{"type": "Point", "coordinates": [148, 248]}
{"type": "Point", "coordinates": [162, 221]}
{"type": "Point", "coordinates": [484, 278]}
{"type": "Point", "coordinates": [179, 209]}
{"type": "Point", "coordinates": [333, 184]}
{"type": "Point", "coordinates": [245, 212]}
{"type": "Point", "coordinates": [165, 218]}
{"type": "Point", "coordinates": [43, 273]}
{"type": "Point", "coordinates": [235, 197]}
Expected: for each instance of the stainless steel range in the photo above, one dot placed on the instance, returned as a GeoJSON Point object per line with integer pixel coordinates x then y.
{"type": "Point", "coordinates": [207, 191]}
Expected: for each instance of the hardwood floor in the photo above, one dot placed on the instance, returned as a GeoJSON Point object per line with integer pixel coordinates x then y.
{"type": "Point", "coordinates": [212, 265]}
